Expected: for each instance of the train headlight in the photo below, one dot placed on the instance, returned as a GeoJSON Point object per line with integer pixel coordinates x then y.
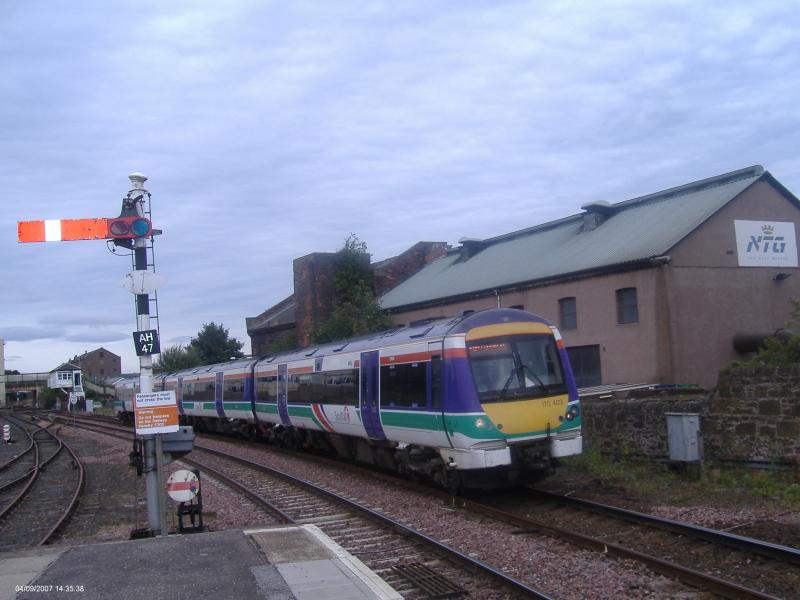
{"type": "Point", "coordinates": [480, 423]}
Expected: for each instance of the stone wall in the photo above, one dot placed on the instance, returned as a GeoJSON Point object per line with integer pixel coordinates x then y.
{"type": "Point", "coordinates": [635, 427]}
{"type": "Point", "coordinates": [752, 416]}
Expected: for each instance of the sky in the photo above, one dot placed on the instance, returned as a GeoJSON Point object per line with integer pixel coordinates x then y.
{"type": "Point", "coordinates": [270, 130]}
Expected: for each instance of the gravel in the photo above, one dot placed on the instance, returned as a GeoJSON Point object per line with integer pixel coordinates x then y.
{"type": "Point", "coordinates": [558, 569]}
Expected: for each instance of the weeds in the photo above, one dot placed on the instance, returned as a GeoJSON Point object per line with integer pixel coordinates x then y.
{"type": "Point", "coordinates": [647, 478]}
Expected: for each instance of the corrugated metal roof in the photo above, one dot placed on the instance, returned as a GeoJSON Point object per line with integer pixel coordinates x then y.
{"type": "Point", "coordinates": [635, 230]}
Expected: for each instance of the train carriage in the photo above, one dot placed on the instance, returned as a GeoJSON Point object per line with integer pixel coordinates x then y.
{"type": "Point", "coordinates": [479, 400]}
{"type": "Point", "coordinates": [221, 392]}
{"type": "Point", "coordinates": [455, 399]}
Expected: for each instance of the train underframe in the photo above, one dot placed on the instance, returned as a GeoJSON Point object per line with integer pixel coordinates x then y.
{"type": "Point", "coordinates": [530, 462]}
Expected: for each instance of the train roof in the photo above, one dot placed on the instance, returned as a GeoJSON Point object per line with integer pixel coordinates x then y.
{"type": "Point", "coordinates": [416, 331]}
{"type": "Point", "coordinates": [240, 363]}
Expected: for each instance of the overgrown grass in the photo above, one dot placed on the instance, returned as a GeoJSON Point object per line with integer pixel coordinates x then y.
{"type": "Point", "coordinates": [711, 481]}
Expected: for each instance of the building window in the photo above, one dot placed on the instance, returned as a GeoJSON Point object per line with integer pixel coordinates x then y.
{"type": "Point", "coordinates": [585, 363]}
{"type": "Point", "coordinates": [568, 313]}
{"type": "Point", "coordinates": [627, 306]}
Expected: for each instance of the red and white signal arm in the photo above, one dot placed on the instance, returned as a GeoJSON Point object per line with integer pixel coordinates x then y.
{"type": "Point", "coordinates": [183, 485]}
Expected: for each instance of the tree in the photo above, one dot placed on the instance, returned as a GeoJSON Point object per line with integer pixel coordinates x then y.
{"type": "Point", "coordinates": [355, 309]}
{"type": "Point", "coordinates": [783, 350]}
{"type": "Point", "coordinates": [213, 345]}
{"type": "Point", "coordinates": [176, 358]}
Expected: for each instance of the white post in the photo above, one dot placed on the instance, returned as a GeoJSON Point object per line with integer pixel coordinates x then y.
{"type": "Point", "coordinates": [2, 374]}
{"type": "Point", "coordinates": [153, 458]}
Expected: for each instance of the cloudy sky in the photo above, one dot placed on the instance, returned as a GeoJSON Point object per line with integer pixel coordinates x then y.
{"type": "Point", "coordinates": [270, 130]}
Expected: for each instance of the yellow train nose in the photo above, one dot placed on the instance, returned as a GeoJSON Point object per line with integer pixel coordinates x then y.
{"type": "Point", "coordinates": [527, 416]}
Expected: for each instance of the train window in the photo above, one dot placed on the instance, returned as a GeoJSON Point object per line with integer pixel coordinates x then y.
{"type": "Point", "coordinates": [197, 391]}
{"type": "Point", "coordinates": [267, 388]}
{"type": "Point", "coordinates": [339, 387]}
{"type": "Point", "coordinates": [233, 389]}
{"type": "Point", "coordinates": [404, 386]}
{"type": "Point", "coordinates": [299, 388]}
{"type": "Point", "coordinates": [505, 368]}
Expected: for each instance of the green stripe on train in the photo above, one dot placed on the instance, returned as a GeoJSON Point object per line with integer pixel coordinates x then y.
{"type": "Point", "coordinates": [300, 411]}
{"type": "Point", "coordinates": [270, 409]}
{"type": "Point", "coordinates": [467, 425]}
{"type": "Point", "coordinates": [412, 420]}
{"type": "Point", "coordinates": [428, 421]}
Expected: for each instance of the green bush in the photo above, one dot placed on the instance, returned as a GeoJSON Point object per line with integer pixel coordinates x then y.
{"type": "Point", "coordinates": [783, 351]}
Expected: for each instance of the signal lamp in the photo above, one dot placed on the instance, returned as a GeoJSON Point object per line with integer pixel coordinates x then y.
{"type": "Point", "coordinates": [127, 228]}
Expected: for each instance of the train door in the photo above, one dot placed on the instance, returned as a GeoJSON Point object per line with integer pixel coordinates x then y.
{"type": "Point", "coordinates": [179, 395]}
{"type": "Point", "coordinates": [220, 379]}
{"type": "Point", "coordinates": [370, 409]}
{"type": "Point", "coordinates": [436, 391]}
{"type": "Point", "coordinates": [283, 394]}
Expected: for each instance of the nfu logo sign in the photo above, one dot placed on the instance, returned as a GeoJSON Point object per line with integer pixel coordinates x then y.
{"type": "Point", "coordinates": [766, 244]}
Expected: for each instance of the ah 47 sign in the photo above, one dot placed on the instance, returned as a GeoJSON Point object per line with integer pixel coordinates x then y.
{"type": "Point", "coordinates": [146, 342]}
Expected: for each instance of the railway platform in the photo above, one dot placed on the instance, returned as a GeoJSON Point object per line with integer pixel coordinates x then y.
{"type": "Point", "coordinates": [278, 563]}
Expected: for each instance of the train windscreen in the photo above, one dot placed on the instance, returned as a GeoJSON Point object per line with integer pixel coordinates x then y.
{"type": "Point", "coordinates": [516, 367]}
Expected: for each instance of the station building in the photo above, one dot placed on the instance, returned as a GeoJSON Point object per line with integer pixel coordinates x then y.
{"type": "Point", "coordinates": [665, 288]}
{"type": "Point", "coordinates": [99, 364]}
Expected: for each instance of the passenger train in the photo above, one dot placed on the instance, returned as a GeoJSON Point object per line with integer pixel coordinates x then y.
{"type": "Point", "coordinates": [479, 401]}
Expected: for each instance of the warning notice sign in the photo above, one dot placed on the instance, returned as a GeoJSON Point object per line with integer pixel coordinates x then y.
{"type": "Point", "coordinates": [156, 412]}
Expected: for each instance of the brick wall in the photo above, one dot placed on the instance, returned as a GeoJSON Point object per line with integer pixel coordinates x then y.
{"type": "Point", "coordinates": [314, 282]}
{"type": "Point", "coordinates": [394, 271]}
{"type": "Point", "coordinates": [313, 292]}
{"type": "Point", "coordinates": [752, 416]}
{"type": "Point", "coordinates": [99, 364]}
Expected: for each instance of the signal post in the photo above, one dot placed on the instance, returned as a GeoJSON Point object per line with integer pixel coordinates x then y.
{"type": "Point", "coordinates": [133, 208]}
{"type": "Point", "coordinates": [156, 413]}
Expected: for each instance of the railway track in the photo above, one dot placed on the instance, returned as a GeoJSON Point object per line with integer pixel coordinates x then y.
{"type": "Point", "coordinates": [39, 490]}
{"type": "Point", "coordinates": [414, 564]}
{"type": "Point", "coordinates": [758, 569]}
{"type": "Point", "coordinates": [688, 553]}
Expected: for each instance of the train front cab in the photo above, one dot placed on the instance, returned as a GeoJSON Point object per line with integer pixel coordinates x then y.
{"type": "Point", "coordinates": [511, 403]}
